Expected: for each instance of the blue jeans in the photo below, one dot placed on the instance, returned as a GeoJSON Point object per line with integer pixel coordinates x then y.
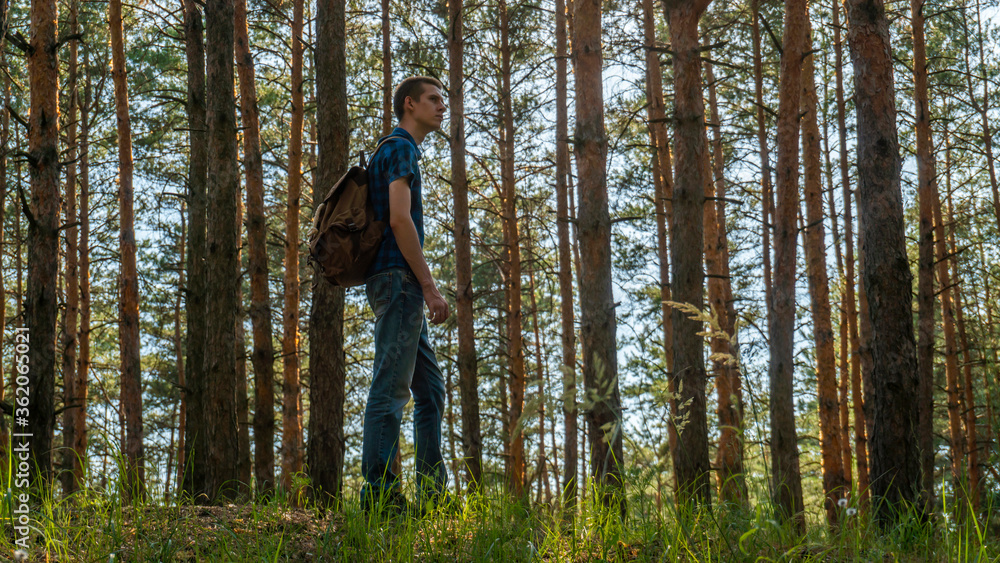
{"type": "Point", "coordinates": [404, 363]}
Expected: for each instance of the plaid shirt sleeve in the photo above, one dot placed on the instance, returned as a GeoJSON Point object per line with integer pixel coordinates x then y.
{"type": "Point", "coordinates": [399, 160]}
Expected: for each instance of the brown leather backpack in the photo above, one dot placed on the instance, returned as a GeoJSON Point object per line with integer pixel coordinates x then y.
{"type": "Point", "coordinates": [345, 236]}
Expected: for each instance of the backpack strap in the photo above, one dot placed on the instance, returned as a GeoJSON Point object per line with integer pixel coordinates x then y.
{"type": "Point", "coordinates": [361, 154]}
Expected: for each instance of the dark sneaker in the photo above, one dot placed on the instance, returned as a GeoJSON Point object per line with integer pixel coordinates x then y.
{"type": "Point", "coordinates": [390, 504]}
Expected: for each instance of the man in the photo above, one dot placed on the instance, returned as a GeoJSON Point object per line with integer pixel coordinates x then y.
{"type": "Point", "coordinates": [398, 284]}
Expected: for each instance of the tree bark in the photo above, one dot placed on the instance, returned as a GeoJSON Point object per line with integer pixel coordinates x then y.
{"type": "Point", "coordinates": [326, 316]}
{"type": "Point", "coordinates": [787, 482]}
{"type": "Point", "coordinates": [957, 438]}
{"type": "Point", "coordinates": [516, 475]}
{"type": "Point", "coordinates": [468, 374]}
{"type": "Point", "coordinates": [845, 362]}
{"type": "Point", "coordinates": [926, 180]}
{"type": "Point", "coordinates": [541, 462]}
{"type": "Point", "coordinates": [969, 400]}
{"type": "Point", "coordinates": [663, 186]}
{"type": "Point", "coordinates": [5, 133]}
{"type": "Point", "coordinates": [835, 483]}
{"type": "Point", "coordinates": [597, 305]}
{"type": "Point", "coordinates": [387, 120]}
{"type": "Point", "coordinates": [291, 425]}
{"type": "Point", "coordinates": [982, 108]}
{"type": "Point", "coordinates": [179, 353]}
{"type": "Point", "coordinates": [766, 196]}
{"type": "Point", "coordinates": [221, 430]}
{"type": "Point", "coordinates": [83, 357]}
{"type": "Point", "coordinates": [243, 462]}
{"type": "Point", "coordinates": [729, 456]}
{"type": "Point", "coordinates": [43, 237]}
{"type": "Point", "coordinates": [966, 401]}
{"type": "Point", "coordinates": [194, 393]}
{"type": "Point", "coordinates": [860, 440]}
{"type": "Point", "coordinates": [71, 401]}
{"type": "Point", "coordinates": [895, 454]}
{"type": "Point", "coordinates": [262, 356]}
{"type": "Point", "coordinates": [128, 324]}
{"type": "Point", "coordinates": [689, 414]}
{"type": "Point", "coordinates": [663, 189]}
{"type": "Point", "coordinates": [862, 389]}
{"type": "Point", "coordinates": [990, 421]}
{"type": "Point", "coordinates": [566, 314]}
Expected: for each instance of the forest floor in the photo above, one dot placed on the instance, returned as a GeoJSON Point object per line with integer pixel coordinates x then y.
{"type": "Point", "coordinates": [488, 528]}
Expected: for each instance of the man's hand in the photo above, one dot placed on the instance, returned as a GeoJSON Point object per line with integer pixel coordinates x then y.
{"type": "Point", "coordinates": [409, 245]}
{"type": "Point", "coordinates": [437, 307]}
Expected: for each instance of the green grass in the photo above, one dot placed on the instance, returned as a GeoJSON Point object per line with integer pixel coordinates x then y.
{"type": "Point", "coordinates": [96, 526]}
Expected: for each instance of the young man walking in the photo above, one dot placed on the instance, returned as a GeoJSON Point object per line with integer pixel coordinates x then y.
{"type": "Point", "coordinates": [398, 285]}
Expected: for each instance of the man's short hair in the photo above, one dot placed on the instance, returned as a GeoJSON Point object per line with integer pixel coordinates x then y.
{"type": "Point", "coordinates": [412, 87]}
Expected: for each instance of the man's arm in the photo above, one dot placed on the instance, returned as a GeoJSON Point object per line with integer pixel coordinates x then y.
{"type": "Point", "coordinates": [409, 244]}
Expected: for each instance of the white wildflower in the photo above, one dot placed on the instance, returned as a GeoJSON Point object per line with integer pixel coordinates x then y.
{"type": "Point", "coordinates": [20, 555]}
{"type": "Point", "coordinates": [851, 512]}
{"type": "Point", "coordinates": [842, 503]}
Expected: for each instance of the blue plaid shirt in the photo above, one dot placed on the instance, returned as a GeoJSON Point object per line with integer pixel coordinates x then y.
{"type": "Point", "coordinates": [396, 159]}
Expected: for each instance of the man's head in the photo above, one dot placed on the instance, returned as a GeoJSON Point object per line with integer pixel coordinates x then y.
{"type": "Point", "coordinates": [421, 99]}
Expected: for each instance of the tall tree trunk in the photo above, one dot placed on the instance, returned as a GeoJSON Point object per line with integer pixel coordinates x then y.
{"type": "Point", "coordinates": [326, 316]}
{"type": "Point", "coordinates": [195, 454]}
{"type": "Point", "coordinates": [729, 457]}
{"type": "Point", "coordinates": [5, 133]}
{"type": "Point", "coordinates": [835, 484]}
{"type": "Point", "coordinates": [862, 389]}
{"type": "Point", "coordinates": [502, 390]}
{"type": "Point", "coordinates": [468, 374]}
{"type": "Point", "coordinates": [177, 410]}
{"type": "Point", "coordinates": [663, 189]}
{"type": "Point", "coordinates": [787, 487]}
{"type": "Point", "coordinates": [969, 400]}
{"type": "Point", "coordinates": [957, 437]}
{"type": "Point", "coordinates": [895, 454]}
{"type": "Point", "coordinates": [966, 401]}
{"type": "Point", "coordinates": [982, 108]}
{"type": "Point", "coordinates": [128, 324]}
{"type": "Point", "coordinates": [845, 362]}
{"type": "Point", "coordinates": [83, 357]}
{"type": "Point", "coordinates": [449, 386]}
{"type": "Point", "coordinates": [860, 440]}
{"type": "Point", "coordinates": [597, 304]}
{"type": "Point", "coordinates": [260, 308]}
{"type": "Point", "coordinates": [687, 237]}
{"type": "Point", "coordinates": [767, 202]}
{"type": "Point", "coordinates": [567, 330]}
{"type": "Point", "coordinates": [70, 333]}
{"type": "Point", "coordinates": [243, 462]}
{"type": "Point", "coordinates": [179, 352]}
{"type": "Point", "coordinates": [221, 430]}
{"type": "Point", "coordinates": [994, 364]}
{"type": "Point", "coordinates": [43, 237]}
{"type": "Point", "coordinates": [542, 464]}
{"type": "Point", "coordinates": [386, 74]}
{"type": "Point", "coordinates": [291, 425]}
{"type": "Point", "coordinates": [516, 476]}
{"type": "Point", "coordinates": [570, 191]}
{"type": "Point", "coordinates": [926, 179]}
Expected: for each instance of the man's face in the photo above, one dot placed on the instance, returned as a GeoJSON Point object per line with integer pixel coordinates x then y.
{"type": "Point", "coordinates": [429, 110]}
